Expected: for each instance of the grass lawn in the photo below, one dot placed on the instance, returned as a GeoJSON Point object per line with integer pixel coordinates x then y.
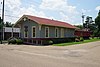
{"type": "Point", "coordinates": [73, 43]}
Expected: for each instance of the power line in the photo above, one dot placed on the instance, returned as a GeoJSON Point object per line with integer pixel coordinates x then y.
{"type": "Point", "coordinates": [5, 10]}
{"type": "Point", "coordinates": [37, 3]}
{"type": "Point", "coordinates": [11, 16]}
{"type": "Point", "coordinates": [32, 2]}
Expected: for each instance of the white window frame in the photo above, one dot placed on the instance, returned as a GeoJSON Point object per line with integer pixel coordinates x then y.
{"type": "Point", "coordinates": [24, 34]}
{"type": "Point", "coordinates": [48, 32]}
{"type": "Point", "coordinates": [62, 32]}
{"type": "Point", "coordinates": [32, 31]}
{"type": "Point", "coordinates": [57, 32]}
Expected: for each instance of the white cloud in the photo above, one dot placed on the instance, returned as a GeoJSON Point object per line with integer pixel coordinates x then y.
{"type": "Point", "coordinates": [14, 8]}
{"type": "Point", "coordinates": [30, 11]}
{"type": "Point", "coordinates": [10, 8]}
{"type": "Point", "coordinates": [68, 19]}
{"type": "Point", "coordinates": [12, 4]}
{"type": "Point", "coordinates": [52, 4]}
{"type": "Point", "coordinates": [58, 5]}
{"type": "Point", "coordinates": [65, 17]}
{"type": "Point", "coordinates": [84, 10]}
{"type": "Point", "coordinates": [65, 11]}
{"type": "Point", "coordinates": [97, 8]}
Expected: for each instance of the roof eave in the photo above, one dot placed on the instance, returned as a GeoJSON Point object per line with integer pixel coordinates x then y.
{"type": "Point", "coordinates": [58, 26]}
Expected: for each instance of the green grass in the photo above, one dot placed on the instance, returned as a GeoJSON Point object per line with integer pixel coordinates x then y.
{"type": "Point", "coordinates": [73, 43]}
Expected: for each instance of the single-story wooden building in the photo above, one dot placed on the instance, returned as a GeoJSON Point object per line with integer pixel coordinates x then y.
{"type": "Point", "coordinates": [36, 30]}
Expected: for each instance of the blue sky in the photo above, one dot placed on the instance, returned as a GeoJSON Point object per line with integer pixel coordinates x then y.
{"type": "Point", "coordinates": [63, 10]}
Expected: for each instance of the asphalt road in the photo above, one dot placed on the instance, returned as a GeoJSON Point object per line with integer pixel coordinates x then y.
{"type": "Point", "coordinates": [83, 55]}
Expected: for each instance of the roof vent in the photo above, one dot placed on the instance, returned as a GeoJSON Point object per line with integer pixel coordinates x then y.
{"type": "Point", "coordinates": [24, 19]}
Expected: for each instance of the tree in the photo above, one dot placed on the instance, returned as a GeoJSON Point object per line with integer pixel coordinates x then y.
{"type": "Point", "coordinates": [97, 22]}
{"type": "Point", "coordinates": [8, 24]}
{"type": "Point", "coordinates": [89, 24]}
{"type": "Point", "coordinates": [89, 20]}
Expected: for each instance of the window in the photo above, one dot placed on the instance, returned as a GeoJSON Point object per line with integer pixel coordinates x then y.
{"type": "Point", "coordinates": [46, 31]}
{"type": "Point", "coordinates": [25, 31]}
{"type": "Point", "coordinates": [62, 32]}
{"type": "Point", "coordinates": [33, 31]}
{"type": "Point", "coordinates": [56, 32]}
{"type": "Point", "coordinates": [26, 34]}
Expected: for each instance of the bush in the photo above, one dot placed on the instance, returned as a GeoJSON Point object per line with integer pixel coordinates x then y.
{"type": "Point", "coordinates": [63, 40]}
{"type": "Point", "coordinates": [77, 40]}
{"type": "Point", "coordinates": [50, 42]}
{"type": "Point", "coordinates": [12, 40]}
{"type": "Point", "coordinates": [19, 41]}
{"type": "Point", "coordinates": [81, 39]}
{"type": "Point", "coordinates": [47, 42]}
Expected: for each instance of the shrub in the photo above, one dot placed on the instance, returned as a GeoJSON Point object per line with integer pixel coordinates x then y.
{"type": "Point", "coordinates": [77, 40]}
{"type": "Point", "coordinates": [12, 40]}
{"type": "Point", "coordinates": [50, 42]}
{"type": "Point", "coordinates": [81, 39]}
{"type": "Point", "coordinates": [19, 41]}
{"type": "Point", "coordinates": [47, 42]}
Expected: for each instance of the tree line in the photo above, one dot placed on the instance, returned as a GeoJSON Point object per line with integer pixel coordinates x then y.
{"type": "Point", "coordinates": [92, 26]}
{"type": "Point", "coordinates": [6, 24]}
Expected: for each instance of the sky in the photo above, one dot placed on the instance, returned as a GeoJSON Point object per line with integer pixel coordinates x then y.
{"type": "Point", "coordinates": [69, 11]}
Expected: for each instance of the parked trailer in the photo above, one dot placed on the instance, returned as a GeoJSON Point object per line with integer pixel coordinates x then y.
{"type": "Point", "coordinates": [84, 34]}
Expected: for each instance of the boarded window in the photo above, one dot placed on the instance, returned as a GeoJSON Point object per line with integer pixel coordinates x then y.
{"type": "Point", "coordinates": [25, 31]}
{"type": "Point", "coordinates": [62, 32]}
{"type": "Point", "coordinates": [34, 31]}
{"type": "Point", "coordinates": [47, 32]}
{"type": "Point", "coordinates": [56, 32]}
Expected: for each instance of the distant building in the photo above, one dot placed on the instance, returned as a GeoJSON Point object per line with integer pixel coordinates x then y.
{"type": "Point", "coordinates": [9, 32]}
{"type": "Point", "coordinates": [85, 33]}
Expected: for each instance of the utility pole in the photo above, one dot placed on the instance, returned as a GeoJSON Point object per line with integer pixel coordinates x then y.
{"type": "Point", "coordinates": [2, 22]}
{"type": "Point", "coordinates": [83, 19]}
{"type": "Point", "coordinates": [3, 19]}
{"type": "Point", "coordinates": [0, 30]}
